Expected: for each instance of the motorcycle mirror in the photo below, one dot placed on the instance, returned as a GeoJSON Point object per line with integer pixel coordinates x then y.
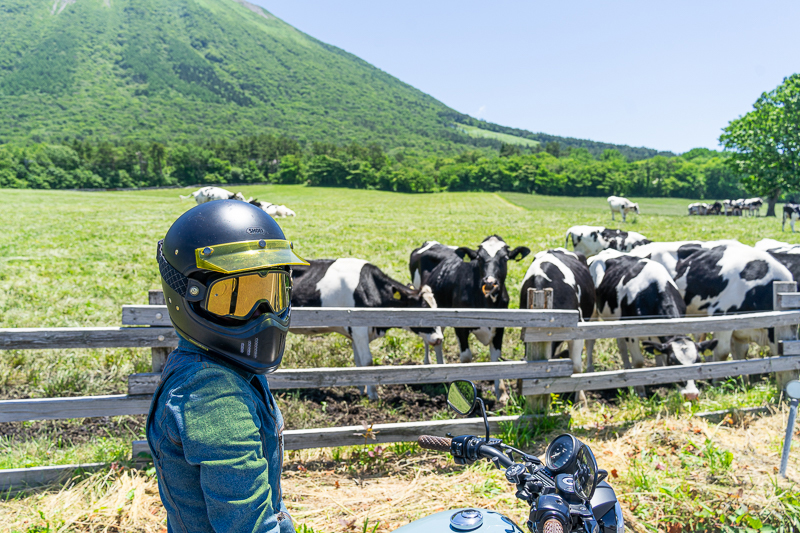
{"type": "Point", "coordinates": [793, 389]}
{"type": "Point", "coordinates": [462, 396]}
{"type": "Point", "coordinates": [601, 475]}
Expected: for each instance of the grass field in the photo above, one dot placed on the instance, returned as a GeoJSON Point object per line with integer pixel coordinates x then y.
{"type": "Point", "coordinates": [74, 258]}
{"type": "Point", "coordinates": [473, 131]}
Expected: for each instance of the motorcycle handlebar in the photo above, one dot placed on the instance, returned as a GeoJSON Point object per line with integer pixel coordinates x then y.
{"type": "Point", "coordinates": [430, 442]}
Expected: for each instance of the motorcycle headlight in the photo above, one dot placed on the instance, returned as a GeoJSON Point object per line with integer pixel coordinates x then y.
{"type": "Point", "coordinates": [585, 476]}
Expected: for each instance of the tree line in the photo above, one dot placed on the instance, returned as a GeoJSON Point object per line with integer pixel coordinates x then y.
{"type": "Point", "coordinates": [551, 169]}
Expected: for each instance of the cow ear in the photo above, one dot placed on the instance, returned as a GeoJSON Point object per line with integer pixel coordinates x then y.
{"type": "Point", "coordinates": [465, 251]}
{"type": "Point", "coordinates": [707, 347]}
{"type": "Point", "coordinates": [519, 253]}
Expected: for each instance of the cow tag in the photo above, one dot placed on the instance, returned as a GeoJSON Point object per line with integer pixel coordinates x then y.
{"type": "Point", "coordinates": [397, 295]}
{"type": "Point", "coordinates": [707, 352]}
{"type": "Point", "coordinates": [657, 352]}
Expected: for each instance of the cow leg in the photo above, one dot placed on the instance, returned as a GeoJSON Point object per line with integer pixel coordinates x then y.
{"type": "Point", "coordinates": [495, 350]}
{"type": "Point", "coordinates": [637, 359]}
{"type": "Point", "coordinates": [439, 356]}
{"type": "Point", "coordinates": [624, 213]}
{"type": "Point", "coordinates": [462, 334]}
{"type": "Point", "coordinates": [739, 349]}
{"type": "Point", "coordinates": [612, 214]}
{"type": "Point", "coordinates": [575, 351]}
{"type": "Point", "coordinates": [589, 359]}
{"type": "Point", "coordinates": [363, 357]}
{"type": "Point", "coordinates": [427, 359]}
{"type": "Point", "coordinates": [623, 353]}
{"type": "Point", "coordinates": [723, 347]}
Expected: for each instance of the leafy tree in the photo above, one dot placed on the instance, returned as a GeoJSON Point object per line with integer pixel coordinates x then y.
{"type": "Point", "coordinates": [765, 142]}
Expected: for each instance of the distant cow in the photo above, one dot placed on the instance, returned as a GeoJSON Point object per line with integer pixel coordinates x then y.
{"type": "Point", "coordinates": [630, 287]}
{"type": "Point", "coordinates": [622, 206]}
{"type": "Point", "coordinates": [731, 278]}
{"type": "Point", "coordinates": [568, 275]}
{"type": "Point", "coordinates": [208, 194]}
{"type": "Point", "coordinates": [792, 212]}
{"type": "Point", "coordinates": [357, 283]}
{"type": "Point", "coordinates": [479, 283]}
{"type": "Point", "coordinates": [591, 240]}
{"type": "Point", "coordinates": [715, 209]}
{"type": "Point", "coordinates": [273, 210]}
{"type": "Point", "coordinates": [753, 206]}
{"type": "Point", "coordinates": [698, 208]}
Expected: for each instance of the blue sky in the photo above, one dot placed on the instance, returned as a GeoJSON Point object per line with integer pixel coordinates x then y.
{"type": "Point", "coordinates": [666, 75]}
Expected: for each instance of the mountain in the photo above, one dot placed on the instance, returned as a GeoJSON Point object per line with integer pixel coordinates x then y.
{"type": "Point", "coordinates": [172, 70]}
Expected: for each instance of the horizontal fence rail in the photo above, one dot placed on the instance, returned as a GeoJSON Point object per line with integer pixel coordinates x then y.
{"type": "Point", "coordinates": [315, 378]}
{"type": "Point", "coordinates": [663, 326]}
{"type": "Point", "coordinates": [615, 379]}
{"type": "Point", "coordinates": [328, 317]}
{"type": "Point", "coordinates": [142, 386]}
{"type": "Point", "coordinates": [87, 338]}
{"type": "Point", "coordinates": [302, 439]}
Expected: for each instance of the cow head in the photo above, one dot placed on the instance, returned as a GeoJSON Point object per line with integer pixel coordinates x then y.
{"type": "Point", "coordinates": [492, 258]}
{"type": "Point", "coordinates": [635, 208]}
{"type": "Point", "coordinates": [681, 350]}
{"type": "Point", "coordinates": [408, 296]}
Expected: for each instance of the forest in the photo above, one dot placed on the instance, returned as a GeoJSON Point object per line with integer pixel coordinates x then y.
{"type": "Point", "coordinates": [551, 169]}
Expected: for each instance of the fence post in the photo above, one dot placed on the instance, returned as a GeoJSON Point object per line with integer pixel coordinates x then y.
{"type": "Point", "coordinates": [158, 355]}
{"type": "Point", "coordinates": [783, 333]}
{"type": "Point", "coordinates": [538, 351]}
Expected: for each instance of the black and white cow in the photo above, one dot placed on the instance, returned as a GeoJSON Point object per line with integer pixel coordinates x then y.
{"type": "Point", "coordinates": [715, 208]}
{"type": "Point", "coordinates": [356, 283]}
{"type": "Point", "coordinates": [425, 258]}
{"type": "Point", "coordinates": [787, 254]}
{"type": "Point", "coordinates": [621, 205]}
{"type": "Point", "coordinates": [792, 212]}
{"type": "Point", "coordinates": [698, 208]}
{"type": "Point", "coordinates": [591, 240]}
{"type": "Point", "coordinates": [568, 275]}
{"type": "Point", "coordinates": [753, 206]}
{"type": "Point", "coordinates": [479, 283]}
{"type": "Point", "coordinates": [667, 254]}
{"type": "Point", "coordinates": [630, 287]}
{"type": "Point", "coordinates": [731, 278]}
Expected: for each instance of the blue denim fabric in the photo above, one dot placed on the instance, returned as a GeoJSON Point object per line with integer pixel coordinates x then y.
{"type": "Point", "coordinates": [216, 435]}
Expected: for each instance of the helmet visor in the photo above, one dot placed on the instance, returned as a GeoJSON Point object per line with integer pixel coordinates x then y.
{"type": "Point", "coordinates": [247, 255]}
{"type": "Point", "coordinates": [238, 296]}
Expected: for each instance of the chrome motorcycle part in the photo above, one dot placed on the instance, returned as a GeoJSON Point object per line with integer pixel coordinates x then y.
{"type": "Point", "coordinates": [561, 453]}
{"type": "Point", "coordinates": [466, 520]}
{"type": "Point", "coordinates": [585, 474]}
{"type": "Point", "coordinates": [462, 396]}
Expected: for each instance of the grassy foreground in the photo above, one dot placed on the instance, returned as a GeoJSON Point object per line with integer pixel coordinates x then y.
{"type": "Point", "coordinates": [74, 258]}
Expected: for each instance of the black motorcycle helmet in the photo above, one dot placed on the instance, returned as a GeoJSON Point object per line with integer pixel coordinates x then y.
{"type": "Point", "coordinates": [225, 270]}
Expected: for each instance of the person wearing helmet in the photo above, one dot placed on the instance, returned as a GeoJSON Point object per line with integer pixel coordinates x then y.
{"type": "Point", "coordinates": [214, 428]}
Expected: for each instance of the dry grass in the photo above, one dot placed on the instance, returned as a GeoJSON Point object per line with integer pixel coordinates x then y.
{"type": "Point", "coordinates": [666, 471]}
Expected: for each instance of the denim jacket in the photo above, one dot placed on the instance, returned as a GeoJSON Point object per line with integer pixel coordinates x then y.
{"type": "Point", "coordinates": [216, 435]}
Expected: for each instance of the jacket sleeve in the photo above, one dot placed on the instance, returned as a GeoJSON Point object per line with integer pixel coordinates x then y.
{"type": "Point", "coordinates": [220, 433]}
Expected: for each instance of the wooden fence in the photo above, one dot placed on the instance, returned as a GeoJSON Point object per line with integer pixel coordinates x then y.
{"type": "Point", "coordinates": [148, 326]}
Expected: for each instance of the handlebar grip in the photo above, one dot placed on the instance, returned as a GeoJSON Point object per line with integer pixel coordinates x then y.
{"type": "Point", "coordinates": [429, 442]}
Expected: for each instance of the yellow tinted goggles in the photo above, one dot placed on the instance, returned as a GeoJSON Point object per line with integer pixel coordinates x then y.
{"type": "Point", "coordinates": [239, 296]}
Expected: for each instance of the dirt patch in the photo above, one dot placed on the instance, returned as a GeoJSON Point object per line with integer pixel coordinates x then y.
{"type": "Point", "coordinates": [76, 431]}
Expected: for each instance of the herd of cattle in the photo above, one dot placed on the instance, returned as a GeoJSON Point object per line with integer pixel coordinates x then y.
{"type": "Point", "coordinates": [609, 275]}
{"type": "Point", "coordinates": [731, 208]}
{"type": "Point", "coordinates": [208, 194]}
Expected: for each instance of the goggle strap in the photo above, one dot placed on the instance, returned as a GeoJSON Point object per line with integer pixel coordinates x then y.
{"type": "Point", "coordinates": [176, 281]}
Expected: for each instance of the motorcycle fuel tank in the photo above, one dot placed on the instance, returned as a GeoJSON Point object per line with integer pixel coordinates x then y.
{"type": "Point", "coordinates": [464, 520]}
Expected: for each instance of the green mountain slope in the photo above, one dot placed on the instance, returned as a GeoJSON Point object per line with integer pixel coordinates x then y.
{"type": "Point", "coordinates": [170, 70]}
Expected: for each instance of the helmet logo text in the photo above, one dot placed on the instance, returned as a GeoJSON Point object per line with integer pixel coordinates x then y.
{"type": "Point", "coordinates": [253, 231]}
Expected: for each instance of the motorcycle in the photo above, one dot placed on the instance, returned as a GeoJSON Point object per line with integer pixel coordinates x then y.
{"type": "Point", "coordinates": [566, 494]}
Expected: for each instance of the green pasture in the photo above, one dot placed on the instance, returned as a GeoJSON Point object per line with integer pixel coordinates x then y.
{"type": "Point", "coordinates": [473, 131]}
{"type": "Point", "coordinates": [74, 258]}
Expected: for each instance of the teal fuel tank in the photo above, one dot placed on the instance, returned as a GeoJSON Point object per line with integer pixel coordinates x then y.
{"type": "Point", "coordinates": [465, 520]}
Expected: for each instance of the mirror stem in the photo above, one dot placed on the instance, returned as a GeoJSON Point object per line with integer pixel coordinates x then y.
{"type": "Point", "coordinates": [485, 419]}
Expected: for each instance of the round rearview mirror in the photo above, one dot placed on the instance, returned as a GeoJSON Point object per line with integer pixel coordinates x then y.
{"type": "Point", "coordinates": [793, 389]}
{"type": "Point", "coordinates": [462, 396]}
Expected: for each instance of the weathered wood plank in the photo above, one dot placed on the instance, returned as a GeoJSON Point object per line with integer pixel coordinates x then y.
{"type": "Point", "coordinates": [788, 300]}
{"type": "Point", "coordinates": [653, 376]}
{"type": "Point", "coordinates": [77, 407]}
{"type": "Point", "coordinates": [670, 326]}
{"type": "Point", "coordinates": [61, 338]}
{"type": "Point", "coordinates": [314, 378]}
{"type": "Point", "coordinates": [301, 439]}
{"type": "Point", "coordinates": [317, 317]}
{"type": "Point", "coordinates": [16, 479]}
{"type": "Point", "coordinates": [789, 347]}
{"type": "Point", "coordinates": [158, 355]}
